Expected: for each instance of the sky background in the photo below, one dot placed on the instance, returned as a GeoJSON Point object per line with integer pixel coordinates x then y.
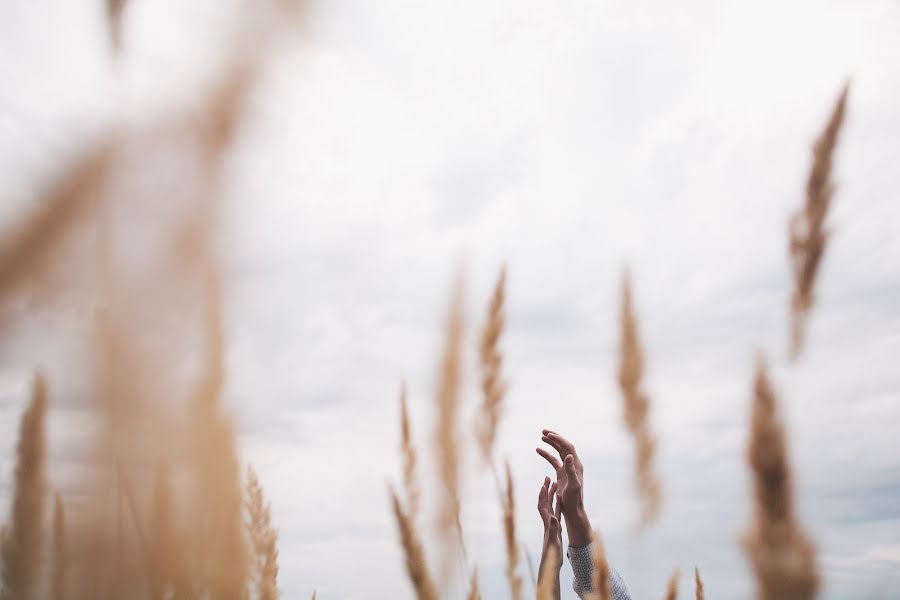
{"type": "Point", "coordinates": [395, 143]}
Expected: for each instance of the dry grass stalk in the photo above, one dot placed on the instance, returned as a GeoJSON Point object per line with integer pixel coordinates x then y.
{"type": "Point", "coordinates": [216, 468]}
{"type": "Point", "coordinates": [416, 565]}
{"type": "Point", "coordinates": [698, 584]}
{"type": "Point", "coordinates": [408, 452]}
{"type": "Point", "coordinates": [601, 580]}
{"type": "Point", "coordinates": [807, 232]}
{"type": "Point", "coordinates": [512, 546]}
{"type": "Point", "coordinates": [493, 387]}
{"type": "Point", "coordinates": [114, 10]}
{"type": "Point", "coordinates": [26, 251]}
{"type": "Point", "coordinates": [782, 557]}
{"type": "Point", "coordinates": [163, 546]}
{"type": "Point", "coordinates": [22, 541]}
{"type": "Point", "coordinates": [446, 436]}
{"type": "Point", "coordinates": [637, 408]}
{"type": "Point", "coordinates": [474, 590]}
{"type": "Point", "coordinates": [60, 551]}
{"type": "Point", "coordinates": [263, 539]}
{"type": "Point", "coordinates": [672, 587]}
{"type": "Point", "coordinates": [548, 580]}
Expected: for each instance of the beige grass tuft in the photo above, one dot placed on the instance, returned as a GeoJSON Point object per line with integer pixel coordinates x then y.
{"type": "Point", "coordinates": [637, 408]}
{"type": "Point", "coordinates": [493, 388]}
{"type": "Point", "coordinates": [263, 539]}
{"type": "Point", "coordinates": [474, 590]}
{"type": "Point", "coordinates": [446, 436]}
{"type": "Point", "coordinates": [410, 459]}
{"type": "Point", "coordinates": [601, 581]}
{"type": "Point", "coordinates": [22, 542]}
{"type": "Point", "coordinates": [807, 226]}
{"type": "Point", "coordinates": [782, 558]}
{"type": "Point", "coordinates": [672, 587]}
{"type": "Point", "coordinates": [698, 584]}
{"type": "Point", "coordinates": [509, 532]}
{"type": "Point", "coordinates": [216, 468]}
{"type": "Point", "coordinates": [60, 551]}
{"type": "Point", "coordinates": [416, 565]}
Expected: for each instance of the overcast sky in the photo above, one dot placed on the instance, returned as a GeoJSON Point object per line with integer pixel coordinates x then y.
{"type": "Point", "coordinates": [394, 143]}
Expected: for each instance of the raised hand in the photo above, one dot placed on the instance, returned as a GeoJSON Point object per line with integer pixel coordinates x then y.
{"type": "Point", "coordinates": [570, 480]}
{"type": "Point", "coordinates": [569, 471]}
{"type": "Point", "coordinates": [552, 547]}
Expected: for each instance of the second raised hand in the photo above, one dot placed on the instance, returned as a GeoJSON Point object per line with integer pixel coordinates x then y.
{"type": "Point", "coordinates": [569, 479]}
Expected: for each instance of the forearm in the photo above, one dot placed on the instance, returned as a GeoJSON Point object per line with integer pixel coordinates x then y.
{"type": "Point", "coordinates": [578, 526]}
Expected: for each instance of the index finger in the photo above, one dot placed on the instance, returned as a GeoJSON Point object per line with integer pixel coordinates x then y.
{"type": "Point", "coordinates": [554, 462]}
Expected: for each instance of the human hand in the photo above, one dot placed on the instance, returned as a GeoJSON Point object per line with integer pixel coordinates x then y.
{"type": "Point", "coordinates": [548, 572]}
{"type": "Point", "coordinates": [550, 515]}
{"type": "Point", "coordinates": [570, 479]}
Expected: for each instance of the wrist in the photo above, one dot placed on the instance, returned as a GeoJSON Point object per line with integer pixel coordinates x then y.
{"type": "Point", "coordinates": [578, 526]}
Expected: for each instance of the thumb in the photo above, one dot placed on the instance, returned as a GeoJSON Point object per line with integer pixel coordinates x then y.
{"type": "Point", "coordinates": [570, 468]}
{"type": "Point", "coordinates": [554, 526]}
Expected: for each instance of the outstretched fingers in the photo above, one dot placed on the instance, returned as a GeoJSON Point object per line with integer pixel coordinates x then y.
{"type": "Point", "coordinates": [561, 444]}
{"type": "Point", "coordinates": [554, 462]}
{"type": "Point", "coordinates": [544, 501]}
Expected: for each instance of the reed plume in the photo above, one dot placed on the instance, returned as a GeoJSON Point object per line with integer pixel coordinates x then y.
{"type": "Point", "coordinates": [263, 539]}
{"type": "Point", "coordinates": [25, 252]}
{"type": "Point", "coordinates": [474, 590]}
{"type": "Point", "coordinates": [509, 531]}
{"type": "Point", "coordinates": [493, 388]}
{"type": "Point", "coordinates": [672, 587]}
{"type": "Point", "coordinates": [446, 436]}
{"type": "Point", "coordinates": [216, 469]}
{"type": "Point", "coordinates": [416, 565]}
{"type": "Point", "coordinates": [601, 579]}
{"type": "Point", "coordinates": [164, 555]}
{"type": "Point", "coordinates": [637, 408]}
{"type": "Point", "coordinates": [22, 542]}
{"type": "Point", "coordinates": [806, 230]}
{"type": "Point", "coordinates": [114, 10]}
{"type": "Point", "coordinates": [408, 453]}
{"type": "Point", "coordinates": [782, 557]}
{"type": "Point", "coordinates": [60, 551]}
{"type": "Point", "coordinates": [698, 584]}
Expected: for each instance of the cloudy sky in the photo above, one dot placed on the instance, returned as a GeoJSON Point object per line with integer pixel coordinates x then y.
{"type": "Point", "coordinates": [394, 143]}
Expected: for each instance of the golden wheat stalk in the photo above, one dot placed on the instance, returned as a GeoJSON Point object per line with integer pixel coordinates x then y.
{"type": "Point", "coordinates": [410, 459]}
{"type": "Point", "coordinates": [263, 539]}
{"type": "Point", "coordinates": [446, 436]}
{"type": "Point", "coordinates": [23, 536]}
{"type": "Point", "coordinates": [60, 551]}
{"type": "Point", "coordinates": [781, 555]}
{"type": "Point", "coordinates": [416, 565]}
{"type": "Point", "coordinates": [698, 584]}
{"type": "Point", "coordinates": [807, 226]}
{"type": "Point", "coordinates": [672, 586]}
{"type": "Point", "coordinates": [512, 545]}
{"type": "Point", "coordinates": [493, 388]}
{"type": "Point", "coordinates": [637, 408]}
